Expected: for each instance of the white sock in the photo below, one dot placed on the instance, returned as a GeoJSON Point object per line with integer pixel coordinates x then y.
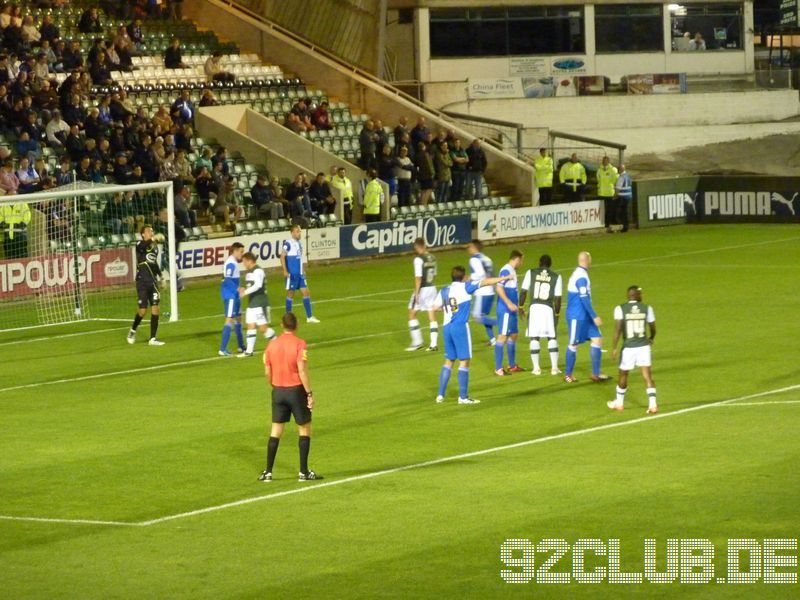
{"type": "Point", "coordinates": [434, 334]}
{"type": "Point", "coordinates": [535, 347]}
{"type": "Point", "coordinates": [651, 396]}
{"type": "Point", "coordinates": [252, 334]}
{"type": "Point", "coordinates": [621, 395]}
{"type": "Point", "coordinates": [269, 334]}
{"type": "Point", "coordinates": [552, 346]}
{"type": "Point", "coordinates": [416, 334]}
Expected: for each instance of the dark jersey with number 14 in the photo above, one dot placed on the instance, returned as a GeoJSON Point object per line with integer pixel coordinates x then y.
{"type": "Point", "coordinates": [147, 269]}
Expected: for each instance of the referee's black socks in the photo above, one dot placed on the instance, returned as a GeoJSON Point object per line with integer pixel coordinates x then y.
{"type": "Point", "coordinates": [305, 448]}
{"type": "Point", "coordinates": [153, 326]}
{"type": "Point", "coordinates": [272, 450]}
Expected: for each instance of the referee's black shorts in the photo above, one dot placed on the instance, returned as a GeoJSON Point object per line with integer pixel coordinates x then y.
{"type": "Point", "coordinates": [288, 401]}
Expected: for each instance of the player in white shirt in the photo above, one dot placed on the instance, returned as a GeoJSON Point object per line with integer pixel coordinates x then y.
{"type": "Point", "coordinates": [423, 297]}
{"type": "Point", "coordinates": [257, 314]}
{"type": "Point", "coordinates": [545, 287]}
{"type": "Point", "coordinates": [481, 267]}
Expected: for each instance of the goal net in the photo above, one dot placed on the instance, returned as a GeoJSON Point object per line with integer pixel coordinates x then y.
{"type": "Point", "coordinates": [69, 254]}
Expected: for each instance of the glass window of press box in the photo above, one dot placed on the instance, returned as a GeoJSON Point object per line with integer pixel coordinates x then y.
{"type": "Point", "coordinates": [706, 27]}
{"type": "Point", "coordinates": [629, 28]}
{"type": "Point", "coordinates": [506, 31]}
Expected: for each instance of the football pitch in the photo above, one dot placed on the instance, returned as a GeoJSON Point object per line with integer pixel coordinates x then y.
{"type": "Point", "coordinates": [130, 471]}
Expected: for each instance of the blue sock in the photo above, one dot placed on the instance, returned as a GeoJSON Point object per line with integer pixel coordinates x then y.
{"type": "Point", "coordinates": [226, 336]}
{"type": "Point", "coordinates": [572, 356]}
{"type": "Point", "coordinates": [239, 336]}
{"type": "Point", "coordinates": [512, 353]}
{"type": "Point", "coordinates": [288, 305]}
{"type": "Point", "coordinates": [307, 306]}
{"type": "Point", "coordinates": [498, 356]}
{"type": "Point", "coordinates": [597, 354]}
{"type": "Point", "coordinates": [444, 378]}
{"type": "Point", "coordinates": [463, 382]}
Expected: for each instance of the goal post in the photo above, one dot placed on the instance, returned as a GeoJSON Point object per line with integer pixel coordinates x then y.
{"type": "Point", "coordinates": [68, 254]}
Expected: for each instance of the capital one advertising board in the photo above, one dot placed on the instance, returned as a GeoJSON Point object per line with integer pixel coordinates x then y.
{"type": "Point", "coordinates": [398, 236]}
{"type": "Point", "coordinates": [61, 272]}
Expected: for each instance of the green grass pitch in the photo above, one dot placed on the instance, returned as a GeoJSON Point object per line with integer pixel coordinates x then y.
{"type": "Point", "coordinates": [94, 429]}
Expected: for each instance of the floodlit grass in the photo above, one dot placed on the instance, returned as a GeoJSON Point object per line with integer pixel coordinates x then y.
{"type": "Point", "coordinates": [94, 429]}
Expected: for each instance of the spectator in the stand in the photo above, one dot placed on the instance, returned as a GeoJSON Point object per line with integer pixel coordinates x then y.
{"type": "Point", "coordinates": [27, 146]}
{"type": "Point", "coordinates": [182, 109]}
{"type": "Point", "coordinates": [122, 170]}
{"type": "Point", "coordinates": [214, 71]}
{"type": "Point", "coordinates": [156, 8]}
{"type": "Point", "coordinates": [162, 122]}
{"type": "Point", "coordinates": [73, 57]}
{"type": "Point", "coordinates": [221, 158]}
{"type": "Point", "coordinates": [30, 35]}
{"type": "Point", "coordinates": [373, 198]}
{"type": "Point", "coordinates": [443, 164]}
{"type": "Point", "coordinates": [166, 170]}
{"type": "Point", "coordinates": [624, 191]}
{"type": "Point", "coordinates": [183, 168]}
{"type": "Point", "coordinates": [204, 185]}
{"type": "Point", "coordinates": [425, 173]}
{"type": "Point", "coordinates": [400, 131]}
{"type": "Point", "coordinates": [84, 170]}
{"type": "Point", "coordinates": [84, 86]}
{"type": "Point", "coordinates": [367, 145]}
{"type": "Point", "coordinates": [320, 118]}
{"type": "Point", "coordinates": [176, 10]}
{"type": "Point", "coordinates": [387, 163]}
{"type": "Point", "coordinates": [74, 143]}
{"type": "Point", "coordinates": [57, 130]}
{"type": "Point", "coordinates": [300, 109]}
{"type": "Point", "coordinates": [476, 167]}
{"type": "Point", "coordinates": [121, 106]}
{"type": "Point", "coordinates": [27, 176]}
{"type": "Point", "coordinates": [322, 200]}
{"type": "Point", "coordinates": [112, 58]}
{"type": "Point", "coordinates": [208, 99]}
{"type": "Point", "coordinates": [419, 133]}
{"type": "Point", "coordinates": [607, 175]}
{"type": "Point", "coordinates": [341, 182]}
{"type": "Point", "coordinates": [543, 176]}
{"type": "Point", "coordinates": [381, 138]}
{"type": "Point", "coordinates": [439, 141]}
{"type": "Point", "coordinates": [51, 59]}
{"type": "Point", "coordinates": [698, 43]}
{"type": "Point", "coordinates": [403, 172]}
{"type": "Point", "coordinates": [41, 69]}
{"type": "Point", "coordinates": [48, 30]}
{"type": "Point", "coordinates": [459, 170]}
{"type": "Point", "coordinates": [9, 182]}
{"type": "Point", "coordinates": [405, 142]}
{"type": "Point", "coordinates": [184, 214]}
{"type": "Point", "coordinates": [117, 215]}
{"type": "Point", "coordinates": [261, 196]}
{"type": "Point", "coordinates": [173, 56]}
{"type": "Point", "coordinates": [92, 127]}
{"type": "Point", "coordinates": [90, 21]}
{"type": "Point", "coordinates": [292, 122]}
{"type": "Point", "coordinates": [573, 178]}
{"type": "Point", "coordinates": [297, 197]}
{"type": "Point", "coordinates": [46, 99]}
{"type": "Point", "coordinates": [134, 30]}
{"type": "Point", "coordinates": [101, 75]}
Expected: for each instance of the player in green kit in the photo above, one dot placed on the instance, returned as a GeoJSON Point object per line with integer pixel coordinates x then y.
{"type": "Point", "coordinates": [545, 288]}
{"type": "Point", "coordinates": [258, 313]}
{"type": "Point", "coordinates": [633, 319]}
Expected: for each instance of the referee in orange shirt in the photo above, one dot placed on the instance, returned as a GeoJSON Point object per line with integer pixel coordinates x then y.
{"type": "Point", "coordinates": [286, 369]}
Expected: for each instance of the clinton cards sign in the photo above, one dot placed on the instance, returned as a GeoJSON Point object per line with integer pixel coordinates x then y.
{"type": "Point", "coordinates": [398, 236]}
{"type": "Point", "coordinates": [539, 220]}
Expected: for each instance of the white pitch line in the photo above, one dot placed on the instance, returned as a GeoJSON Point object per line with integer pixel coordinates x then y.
{"type": "Point", "coordinates": [773, 402]}
{"type": "Point", "coordinates": [419, 465]}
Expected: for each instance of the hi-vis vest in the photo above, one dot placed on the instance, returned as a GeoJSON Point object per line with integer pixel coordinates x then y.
{"type": "Point", "coordinates": [606, 178]}
{"type": "Point", "coordinates": [14, 216]}
{"type": "Point", "coordinates": [543, 166]}
{"type": "Point", "coordinates": [372, 198]}
{"type": "Point", "coordinates": [573, 174]}
{"type": "Point", "coordinates": [345, 185]}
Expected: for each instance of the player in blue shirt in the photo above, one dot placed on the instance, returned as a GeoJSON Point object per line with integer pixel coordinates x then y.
{"type": "Point", "coordinates": [480, 267]}
{"type": "Point", "coordinates": [508, 316]}
{"type": "Point", "coordinates": [455, 300]}
{"type": "Point", "coordinates": [582, 321]}
{"type": "Point", "coordinates": [230, 299]}
{"type": "Point", "coordinates": [294, 272]}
